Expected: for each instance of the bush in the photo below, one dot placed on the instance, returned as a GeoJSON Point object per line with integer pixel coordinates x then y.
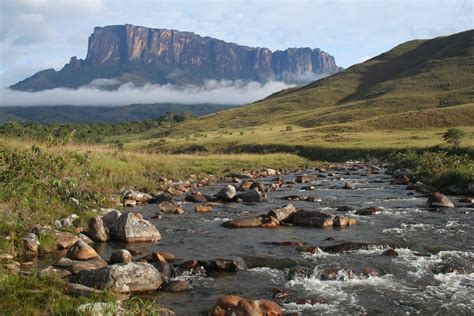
{"type": "Point", "coordinates": [454, 136]}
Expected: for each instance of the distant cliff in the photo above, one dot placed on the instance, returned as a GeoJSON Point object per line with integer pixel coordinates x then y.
{"type": "Point", "coordinates": [127, 53]}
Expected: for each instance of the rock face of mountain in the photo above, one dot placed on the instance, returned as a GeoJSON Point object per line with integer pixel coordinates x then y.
{"type": "Point", "coordinates": [138, 54]}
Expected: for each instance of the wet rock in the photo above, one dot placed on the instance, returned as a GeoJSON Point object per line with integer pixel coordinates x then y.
{"type": "Point", "coordinates": [452, 268]}
{"type": "Point", "coordinates": [203, 208]}
{"type": "Point", "coordinates": [196, 197]}
{"type": "Point", "coordinates": [369, 272]}
{"type": "Point", "coordinates": [31, 242]}
{"type": "Point", "coordinates": [250, 196]}
{"type": "Point", "coordinates": [190, 264]}
{"type": "Point", "coordinates": [234, 305]}
{"type": "Point", "coordinates": [369, 211]}
{"type": "Point", "coordinates": [346, 246]}
{"type": "Point", "coordinates": [283, 243]}
{"type": "Point", "coordinates": [348, 186]}
{"type": "Point", "coordinates": [283, 213]}
{"type": "Point", "coordinates": [122, 278]}
{"type": "Point", "coordinates": [120, 256]}
{"type": "Point", "coordinates": [223, 265]}
{"type": "Point", "coordinates": [170, 208]}
{"type": "Point", "coordinates": [390, 253]}
{"type": "Point", "coordinates": [269, 262]}
{"type": "Point", "coordinates": [97, 230]}
{"type": "Point", "coordinates": [131, 227]}
{"type": "Point", "coordinates": [244, 222]}
{"type": "Point", "coordinates": [280, 294]}
{"type": "Point", "coordinates": [110, 217]}
{"type": "Point", "coordinates": [297, 272]}
{"type": "Point", "coordinates": [313, 199]}
{"type": "Point", "coordinates": [305, 179]}
{"type": "Point", "coordinates": [177, 286]}
{"type": "Point", "coordinates": [330, 274]}
{"type": "Point", "coordinates": [439, 200]}
{"type": "Point", "coordinates": [81, 251]}
{"type": "Point", "coordinates": [311, 219]}
{"type": "Point", "coordinates": [466, 200]}
{"type": "Point", "coordinates": [67, 221]}
{"type": "Point", "coordinates": [174, 192]}
{"type": "Point", "coordinates": [308, 249]}
{"type": "Point", "coordinates": [166, 270]}
{"type": "Point", "coordinates": [341, 221]}
{"type": "Point", "coordinates": [89, 264]}
{"type": "Point", "coordinates": [294, 198]}
{"type": "Point", "coordinates": [240, 175]}
{"type": "Point", "coordinates": [309, 188]}
{"type": "Point", "coordinates": [79, 290]}
{"type": "Point", "coordinates": [65, 240]}
{"type": "Point", "coordinates": [137, 196]}
{"type": "Point", "coordinates": [345, 209]}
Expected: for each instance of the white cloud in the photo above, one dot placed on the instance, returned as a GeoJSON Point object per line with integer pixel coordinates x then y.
{"type": "Point", "coordinates": [220, 92]}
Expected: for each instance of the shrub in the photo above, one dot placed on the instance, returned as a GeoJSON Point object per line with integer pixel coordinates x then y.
{"type": "Point", "coordinates": [453, 136]}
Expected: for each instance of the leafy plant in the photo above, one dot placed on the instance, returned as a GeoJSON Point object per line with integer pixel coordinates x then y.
{"type": "Point", "coordinates": [454, 136]}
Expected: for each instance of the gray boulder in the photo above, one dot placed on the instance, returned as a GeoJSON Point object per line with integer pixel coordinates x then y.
{"type": "Point", "coordinates": [131, 227]}
{"type": "Point", "coordinates": [121, 278]}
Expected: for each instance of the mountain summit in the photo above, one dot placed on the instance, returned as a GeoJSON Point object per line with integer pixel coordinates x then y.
{"type": "Point", "coordinates": [128, 53]}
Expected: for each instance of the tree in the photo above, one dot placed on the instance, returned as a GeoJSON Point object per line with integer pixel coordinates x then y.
{"type": "Point", "coordinates": [453, 136]}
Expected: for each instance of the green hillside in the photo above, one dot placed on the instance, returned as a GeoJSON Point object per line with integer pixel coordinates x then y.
{"type": "Point", "coordinates": [414, 76]}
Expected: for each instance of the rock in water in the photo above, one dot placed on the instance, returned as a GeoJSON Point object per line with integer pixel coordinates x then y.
{"type": "Point", "coordinates": [120, 256]}
{"type": "Point", "coordinates": [235, 305]}
{"type": "Point", "coordinates": [122, 278]}
{"type": "Point", "coordinates": [97, 230]}
{"type": "Point", "coordinates": [439, 200]}
{"type": "Point", "coordinates": [227, 193]}
{"type": "Point", "coordinates": [283, 213]}
{"type": "Point", "coordinates": [250, 196]}
{"type": "Point", "coordinates": [31, 242]}
{"type": "Point", "coordinates": [348, 185]}
{"type": "Point", "coordinates": [131, 227]}
{"type": "Point", "coordinates": [81, 251]}
{"type": "Point", "coordinates": [312, 219]}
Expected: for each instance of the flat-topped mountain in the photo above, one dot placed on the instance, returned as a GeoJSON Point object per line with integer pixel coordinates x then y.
{"type": "Point", "coordinates": [128, 53]}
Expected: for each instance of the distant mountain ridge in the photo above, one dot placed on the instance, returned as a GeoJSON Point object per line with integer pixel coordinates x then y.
{"type": "Point", "coordinates": [100, 114]}
{"type": "Point", "coordinates": [128, 53]}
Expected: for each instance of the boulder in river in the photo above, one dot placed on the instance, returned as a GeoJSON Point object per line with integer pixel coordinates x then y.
{"type": "Point", "coordinates": [244, 222]}
{"type": "Point", "coordinates": [305, 178]}
{"type": "Point", "coordinates": [170, 207]}
{"type": "Point", "coordinates": [122, 277]}
{"type": "Point", "coordinates": [227, 193]}
{"type": "Point", "coordinates": [439, 200]}
{"type": "Point", "coordinates": [177, 286]}
{"type": "Point", "coordinates": [250, 196]}
{"type": "Point", "coordinates": [283, 213]}
{"type": "Point", "coordinates": [235, 305]}
{"type": "Point", "coordinates": [312, 219]}
{"type": "Point", "coordinates": [203, 208]}
{"type": "Point", "coordinates": [196, 197]}
{"type": "Point", "coordinates": [223, 265]}
{"type": "Point", "coordinates": [131, 227]}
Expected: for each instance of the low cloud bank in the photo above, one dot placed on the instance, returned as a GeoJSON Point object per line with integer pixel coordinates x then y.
{"type": "Point", "coordinates": [217, 92]}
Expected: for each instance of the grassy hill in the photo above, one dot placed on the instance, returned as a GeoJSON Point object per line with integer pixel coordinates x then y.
{"type": "Point", "coordinates": [100, 114]}
{"type": "Point", "coordinates": [419, 87]}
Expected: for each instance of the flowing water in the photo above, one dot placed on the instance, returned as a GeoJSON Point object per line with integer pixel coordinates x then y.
{"type": "Point", "coordinates": [406, 284]}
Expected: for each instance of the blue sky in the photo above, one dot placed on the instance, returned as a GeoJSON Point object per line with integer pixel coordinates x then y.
{"type": "Point", "coordinates": [39, 34]}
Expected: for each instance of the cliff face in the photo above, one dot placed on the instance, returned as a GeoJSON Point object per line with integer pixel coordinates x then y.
{"type": "Point", "coordinates": [161, 56]}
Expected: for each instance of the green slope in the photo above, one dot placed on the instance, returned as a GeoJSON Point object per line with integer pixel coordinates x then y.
{"type": "Point", "coordinates": [414, 76]}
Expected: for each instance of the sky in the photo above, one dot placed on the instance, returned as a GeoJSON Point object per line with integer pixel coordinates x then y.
{"type": "Point", "coordinates": [41, 34]}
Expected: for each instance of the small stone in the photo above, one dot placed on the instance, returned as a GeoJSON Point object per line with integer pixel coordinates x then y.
{"type": "Point", "coordinates": [203, 208]}
{"type": "Point", "coordinates": [129, 203]}
{"type": "Point", "coordinates": [348, 186]}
